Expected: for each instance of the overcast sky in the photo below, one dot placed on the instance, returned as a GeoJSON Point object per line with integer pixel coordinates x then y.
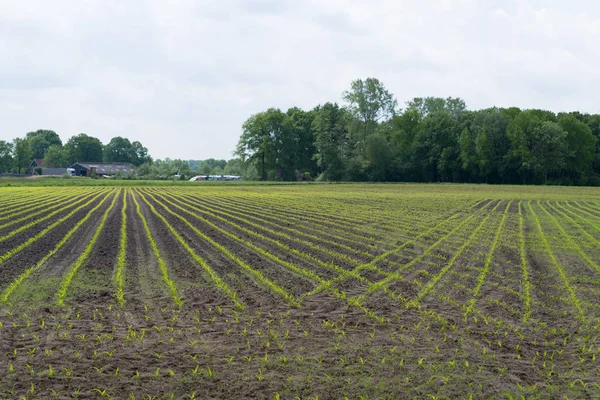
{"type": "Point", "coordinates": [182, 76]}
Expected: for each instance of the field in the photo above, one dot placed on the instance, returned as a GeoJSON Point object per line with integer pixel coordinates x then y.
{"type": "Point", "coordinates": [307, 291]}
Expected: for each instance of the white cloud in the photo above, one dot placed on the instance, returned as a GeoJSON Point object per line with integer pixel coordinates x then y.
{"type": "Point", "coordinates": [182, 76]}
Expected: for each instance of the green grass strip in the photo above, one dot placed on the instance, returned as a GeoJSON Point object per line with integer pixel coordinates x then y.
{"type": "Point", "coordinates": [161, 262]}
{"type": "Point", "coordinates": [45, 231]}
{"type": "Point", "coordinates": [264, 281]}
{"type": "Point", "coordinates": [556, 264]}
{"type": "Point", "coordinates": [68, 278]}
{"type": "Point", "coordinates": [122, 256]}
{"type": "Point", "coordinates": [17, 282]}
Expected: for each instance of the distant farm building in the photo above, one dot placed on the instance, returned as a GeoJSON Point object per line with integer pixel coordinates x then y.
{"type": "Point", "coordinates": [38, 167]}
{"type": "Point", "coordinates": [101, 169]}
{"type": "Point", "coordinates": [36, 164]}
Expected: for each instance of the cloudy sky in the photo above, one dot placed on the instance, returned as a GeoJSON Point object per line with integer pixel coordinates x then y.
{"type": "Point", "coordinates": [182, 76]}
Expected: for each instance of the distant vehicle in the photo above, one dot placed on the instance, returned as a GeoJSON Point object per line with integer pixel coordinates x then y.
{"type": "Point", "coordinates": [71, 171]}
{"type": "Point", "coordinates": [215, 178]}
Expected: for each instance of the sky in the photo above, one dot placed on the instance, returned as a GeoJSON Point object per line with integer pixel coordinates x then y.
{"type": "Point", "coordinates": [182, 76]}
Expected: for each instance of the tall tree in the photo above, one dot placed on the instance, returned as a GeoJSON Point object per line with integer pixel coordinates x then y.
{"type": "Point", "coordinates": [118, 150]}
{"type": "Point", "coordinates": [521, 135]}
{"type": "Point", "coordinates": [369, 102]}
{"type": "Point", "coordinates": [580, 148]}
{"type": "Point", "coordinates": [454, 106]}
{"type": "Point", "coordinates": [57, 157]}
{"type": "Point", "coordinates": [332, 140]}
{"type": "Point", "coordinates": [436, 151]}
{"type": "Point", "coordinates": [301, 133]}
{"type": "Point", "coordinates": [84, 148]}
{"type": "Point", "coordinates": [139, 154]}
{"type": "Point", "coordinates": [468, 154]}
{"type": "Point", "coordinates": [22, 154]}
{"type": "Point", "coordinates": [379, 154]}
{"type": "Point", "coordinates": [256, 145]}
{"type": "Point", "coordinates": [549, 149]}
{"type": "Point", "coordinates": [6, 158]}
{"type": "Point", "coordinates": [41, 140]}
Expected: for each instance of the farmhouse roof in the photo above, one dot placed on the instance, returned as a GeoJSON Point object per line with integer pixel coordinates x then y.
{"type": "Point", "coordinates": [38, 161]}
{"type": "Point", "coordinates": [106, 168]}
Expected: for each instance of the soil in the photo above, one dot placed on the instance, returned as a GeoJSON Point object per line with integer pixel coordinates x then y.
{"type": "Point", "coordinates": [341, 341]}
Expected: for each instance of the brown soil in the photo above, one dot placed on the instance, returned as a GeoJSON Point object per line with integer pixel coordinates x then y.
{"type": "Point", "coordinates": [349, 344]}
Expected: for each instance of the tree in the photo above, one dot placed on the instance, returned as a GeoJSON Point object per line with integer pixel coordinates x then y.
{"type": "Point", "coordinates": [303, 141]}
{"type": "Point", "coordinates": [41, 140]}
{"type": "Point", "coordinates": [6, 158]}
{"type": "Point", "coordinates": [489, 127]}
{"type": "Point", "coordinates": [468, 154]}
{"type": "Point", "coordinates": [57, 157]}
{"type": "Point", "coordinates": [267, 143]}
{"type": "Point", "coordinates": [332, 140]}
{"type": "Point", "coordinates": [431, 105]}
{"type": "Point", "coordinates": [550, 148]}
{"type": "Point", "coordinates": [118, 150]}
{"type": "Point", "coordinates": [22, 154]}
{"type": "Point", "coordinates": [369, 102]}
{"type": "Point", "coordinates": [379, 155]}
{"type": "Point", "coordinates": [139, 154]}
{"type": "Point", "coordinates": [234, 167]}
{"type": "Point", "coordinates": [580, 148]}
{"type": "Point", "coordinates": [440, 131]}
{"type": "Point", "coordinates": [84, 148]}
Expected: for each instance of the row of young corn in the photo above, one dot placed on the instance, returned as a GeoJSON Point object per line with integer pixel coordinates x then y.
{"type": "Point", "coordinates": [357, 232]}
{"type": "Point", "coordinates": [205, 221]}
{"type": "Point", "coordinates": [70, 204]}
{"type": "Point", "coordinates": [6, 294]}
{"type": "Point", "coordinates": [33, 239]}
{"type": "Point", "coordinates": [43, 208]}
{"type": "Point", "coordinates": [369, 226]}
{"type": "Point", "coordinates": [26, 206]}
{"type": "Point", "coordinates": [252, 228]}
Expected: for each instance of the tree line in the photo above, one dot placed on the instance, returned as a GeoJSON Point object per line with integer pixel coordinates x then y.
{"type": "Point", "coordinates": [368, 138]}
{"type": "Point", "coordinates": [17, 156]}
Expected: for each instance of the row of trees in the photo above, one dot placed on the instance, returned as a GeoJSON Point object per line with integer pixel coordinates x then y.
{"type": "Point", "coordinates": [185, 169]}
{"type": "Point", "coordinates": [16, 156]}
{"type": "Point", "coordinates": [368, 138]}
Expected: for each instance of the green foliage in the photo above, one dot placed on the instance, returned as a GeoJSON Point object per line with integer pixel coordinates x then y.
{"type": "Point", "coordinates": [122, 150]}
{"type": "Point", "coordinates": [431, 105]}
{"type": "Point", "coordinates": [369, 102]}
{"type": "Point", "coordinates": [434, 140]}
{"type": "Point", "coordinates": [41, 140]}
{"type": "Point", "coordinates": [6, 158]}
{"type": "Point", "coordinates": [84, 148]}
{"type": "Point", "coordinates": [332, 140]}
{"type": "Point", "coordinates": [277, 144]}
{"type": "Point", "coordinates": [56, 157]}
{"type": "Point", "coordinates": [22, 155]}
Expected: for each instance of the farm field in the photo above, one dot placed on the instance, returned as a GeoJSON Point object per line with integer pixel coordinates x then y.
{"type": "Point", "coordinates": [301, 291]}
